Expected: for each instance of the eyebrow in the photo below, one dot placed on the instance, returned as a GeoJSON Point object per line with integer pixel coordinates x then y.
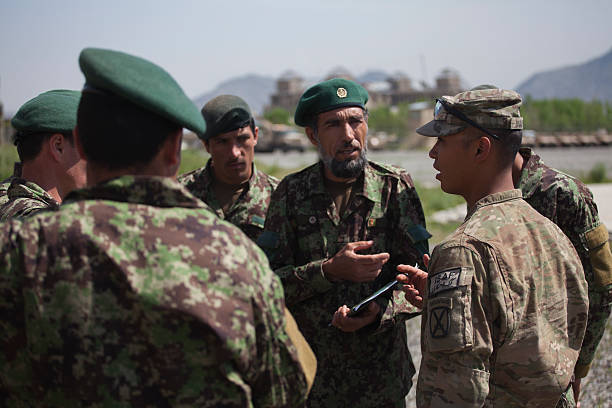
{"type": "Point", "coordinates": [335, 121]}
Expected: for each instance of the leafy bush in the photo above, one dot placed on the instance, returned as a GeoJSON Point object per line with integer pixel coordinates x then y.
{"type": "Point", "coordinates": [8, 156]}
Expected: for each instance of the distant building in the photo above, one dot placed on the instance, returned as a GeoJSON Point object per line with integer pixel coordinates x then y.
{"type": "Point", "coordinates": [396, 89]}
{"type": "Point", "coordinates": [289, 88]}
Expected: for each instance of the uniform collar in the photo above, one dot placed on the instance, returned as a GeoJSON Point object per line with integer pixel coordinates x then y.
{"type": "Point", "coordinates": [495, 198]}
{"type": "Point", "coordinates": [365, 185]}
{"type": "Point", "coordinates": [151, 190]}
{"type": "Point", "coordinates": [21, 188]}
{"type": "Point", "coordinates": [532, 163]}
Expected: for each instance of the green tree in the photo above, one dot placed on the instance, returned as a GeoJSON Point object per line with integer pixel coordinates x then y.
{"type": "Point", "coordinates": [278, 116]}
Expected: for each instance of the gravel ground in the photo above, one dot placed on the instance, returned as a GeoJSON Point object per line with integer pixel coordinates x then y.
{"type": "Point", "coordinates": [596, 387]}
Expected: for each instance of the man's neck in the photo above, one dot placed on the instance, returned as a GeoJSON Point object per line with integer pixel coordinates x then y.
{"type": "Point", "coordinates": [36, 172]}
{"type": "Point", "coordinates": [331, 177]}
{"type": "Point", "coordinates": [487, 185]}
{"type": "Point", "coordinates": [517, 169]}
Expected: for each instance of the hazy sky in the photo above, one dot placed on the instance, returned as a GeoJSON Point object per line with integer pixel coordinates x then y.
{"type": "Point", "coordinates": [202, 43]}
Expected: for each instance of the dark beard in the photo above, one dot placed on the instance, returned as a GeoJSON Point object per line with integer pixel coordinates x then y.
{"type": "Point", "coordinates": [346, 169]}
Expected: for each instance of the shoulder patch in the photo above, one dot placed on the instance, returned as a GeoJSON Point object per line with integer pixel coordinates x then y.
{"type": "Point", "coordinates": [445, 280]}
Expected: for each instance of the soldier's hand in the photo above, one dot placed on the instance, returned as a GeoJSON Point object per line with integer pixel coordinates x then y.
{"type": "Point", "coordinates": [351, 324]}
{"type": "Point", "coordinates": [415, 283]}
{"type": "Point", "coordinates": [348, 265]}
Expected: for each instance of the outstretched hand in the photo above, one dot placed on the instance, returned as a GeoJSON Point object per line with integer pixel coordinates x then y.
{"type": "Point", "coordinates": [414, 281]}
{"type": "Point", "coordinates": [348, 265]}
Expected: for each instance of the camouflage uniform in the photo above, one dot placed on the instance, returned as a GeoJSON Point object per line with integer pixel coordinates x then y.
{"type": "Point", "coordinates": [24, 199]}
{"type": "Point", "coordinates": [133, 294]}
{"type": "Point", "coordinates": [248, 212]}
{"type": "Point", "coordinates": [371, 367]}
{"type": "Point", "coordinates": [567, 202]}
{"type": "Point", "coordinates": [4, 184]}
{"type": "Point", "coordinates": [505, 312]}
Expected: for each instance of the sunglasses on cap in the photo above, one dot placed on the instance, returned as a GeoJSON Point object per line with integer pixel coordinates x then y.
{"type": "Point", "coordinates": [440, 104]}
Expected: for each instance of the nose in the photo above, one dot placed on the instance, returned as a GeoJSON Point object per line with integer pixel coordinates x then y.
{"type": "Point", "coordinates": [433, 152]}
{"type": "Point", "coordinates": [235, 150]}
{"type": "Point", "coordinates": [349, 133]}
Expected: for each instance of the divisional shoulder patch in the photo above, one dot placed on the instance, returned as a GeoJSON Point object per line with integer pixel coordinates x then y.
{"type": "Point", "coordinates": [439, 322]}
{"type": "Point", "coordinates": [445, 280]}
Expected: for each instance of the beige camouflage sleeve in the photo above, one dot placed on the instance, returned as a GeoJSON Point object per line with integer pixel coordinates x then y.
{"type": "Point", "coordinates": [457, 331]}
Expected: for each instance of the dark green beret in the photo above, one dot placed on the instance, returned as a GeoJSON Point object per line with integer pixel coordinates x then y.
{"type": "Point", "coordinates": [140, 82]}
{"type": "Point", "coordinates": [329, 95]}
{"type": "Point", "coordinates": [53, 111]}
{"type": "Point", "coordinates": [224, 114]}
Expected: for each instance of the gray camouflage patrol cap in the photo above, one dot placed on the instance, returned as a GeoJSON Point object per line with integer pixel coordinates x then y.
{"type": "Point", "coordinates": [486, 105]}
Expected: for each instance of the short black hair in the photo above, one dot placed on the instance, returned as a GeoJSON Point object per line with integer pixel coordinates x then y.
{"type": "Point", "coordinates": [509, 142]}
{"type": "Point", "coordinates": [29, 145]}
{"type": "Point", "coordinates": [117, 134]}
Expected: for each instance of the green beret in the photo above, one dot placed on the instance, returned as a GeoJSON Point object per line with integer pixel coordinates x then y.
{"type": "Point", "coordinates": [329, 95]}
{"type": "Point", "coordinates": [224, 114]}
{"type": "Point", "coordinates": [53, 111]}
{"type": "Point", "coordinates": [488, 106]}
{"type": "Point", "coordinates": [140, 82]}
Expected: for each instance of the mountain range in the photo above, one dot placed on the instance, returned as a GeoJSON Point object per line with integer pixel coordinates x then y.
{"type": "Point", "coordinates": [587, 81]}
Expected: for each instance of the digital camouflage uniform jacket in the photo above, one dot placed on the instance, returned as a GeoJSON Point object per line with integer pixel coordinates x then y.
{"type": "Point", "coordinates": [505, 310]}
{"type": "Point", "coordinates": [4, 184]}
{"type": "Point", "coordinates": [24, 199]}
{"type": "Point", "coordinates": [249, 212]}
{"type": "Point", "coordinates": [133, 294]}
{"type": "Point", "coordinates": [372, 367]}
{"type": "Point", "coordinates": [567, 202]}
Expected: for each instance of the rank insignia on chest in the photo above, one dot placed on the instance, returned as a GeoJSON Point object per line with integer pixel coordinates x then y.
{"type": "Point", "coordinates": [312, 219]}
{"type": "Point", "coordinates": [445, 280]}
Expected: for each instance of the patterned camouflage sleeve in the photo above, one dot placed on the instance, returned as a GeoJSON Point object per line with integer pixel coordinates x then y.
{"type": "Point", "coordinates": [21, 208]}
{"type": "Point", "coordinates": [408, 244]}
{"type": "Point", "coordinates": [280, 380]}
{"type": "Point", "coordinates": [455, 370]}
{"type": "Point", "coordinates": [579, 220]}
{"type": "Point", "coordinates": [280, 243]}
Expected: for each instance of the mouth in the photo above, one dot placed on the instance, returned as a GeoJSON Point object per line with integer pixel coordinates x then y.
{"type": "Point", "coordinates": [349, 151]}
{"type": "Point", "coordinates": [236, 165]}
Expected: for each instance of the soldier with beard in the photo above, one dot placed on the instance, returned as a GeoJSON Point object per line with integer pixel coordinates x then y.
{"type": "Point", "coordinates": [334, 233]}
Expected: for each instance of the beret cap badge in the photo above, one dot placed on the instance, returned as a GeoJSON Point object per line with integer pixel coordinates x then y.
{"type": "Point", "coordinates": [341, 92]}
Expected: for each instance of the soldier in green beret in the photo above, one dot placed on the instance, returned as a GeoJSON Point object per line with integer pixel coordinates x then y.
{"type": "Point", "coordinates": [334, 233]}
{"type": "Point", "coordinates": [51, 166]}
{"type": "Point", "coordinates": [505, 300]}
{"type": "Point", "coordinates": [230, 183]}
{"type": "Point", "coordinates": [133, 293]}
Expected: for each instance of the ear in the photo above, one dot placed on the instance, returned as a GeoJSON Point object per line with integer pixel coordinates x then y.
{"type": "Point", "coordinates": [206, 144]}
{"type": "Point", "coordinates": [483, 149]}
{"type": "Point", "coordinates": [173, 149]}
{"type": "Point", "coordinates": [255, 135]}
{"type": "Point", "coordinates": [56, 146]}
{"type": "Point", "coordinates": [311, 136]}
